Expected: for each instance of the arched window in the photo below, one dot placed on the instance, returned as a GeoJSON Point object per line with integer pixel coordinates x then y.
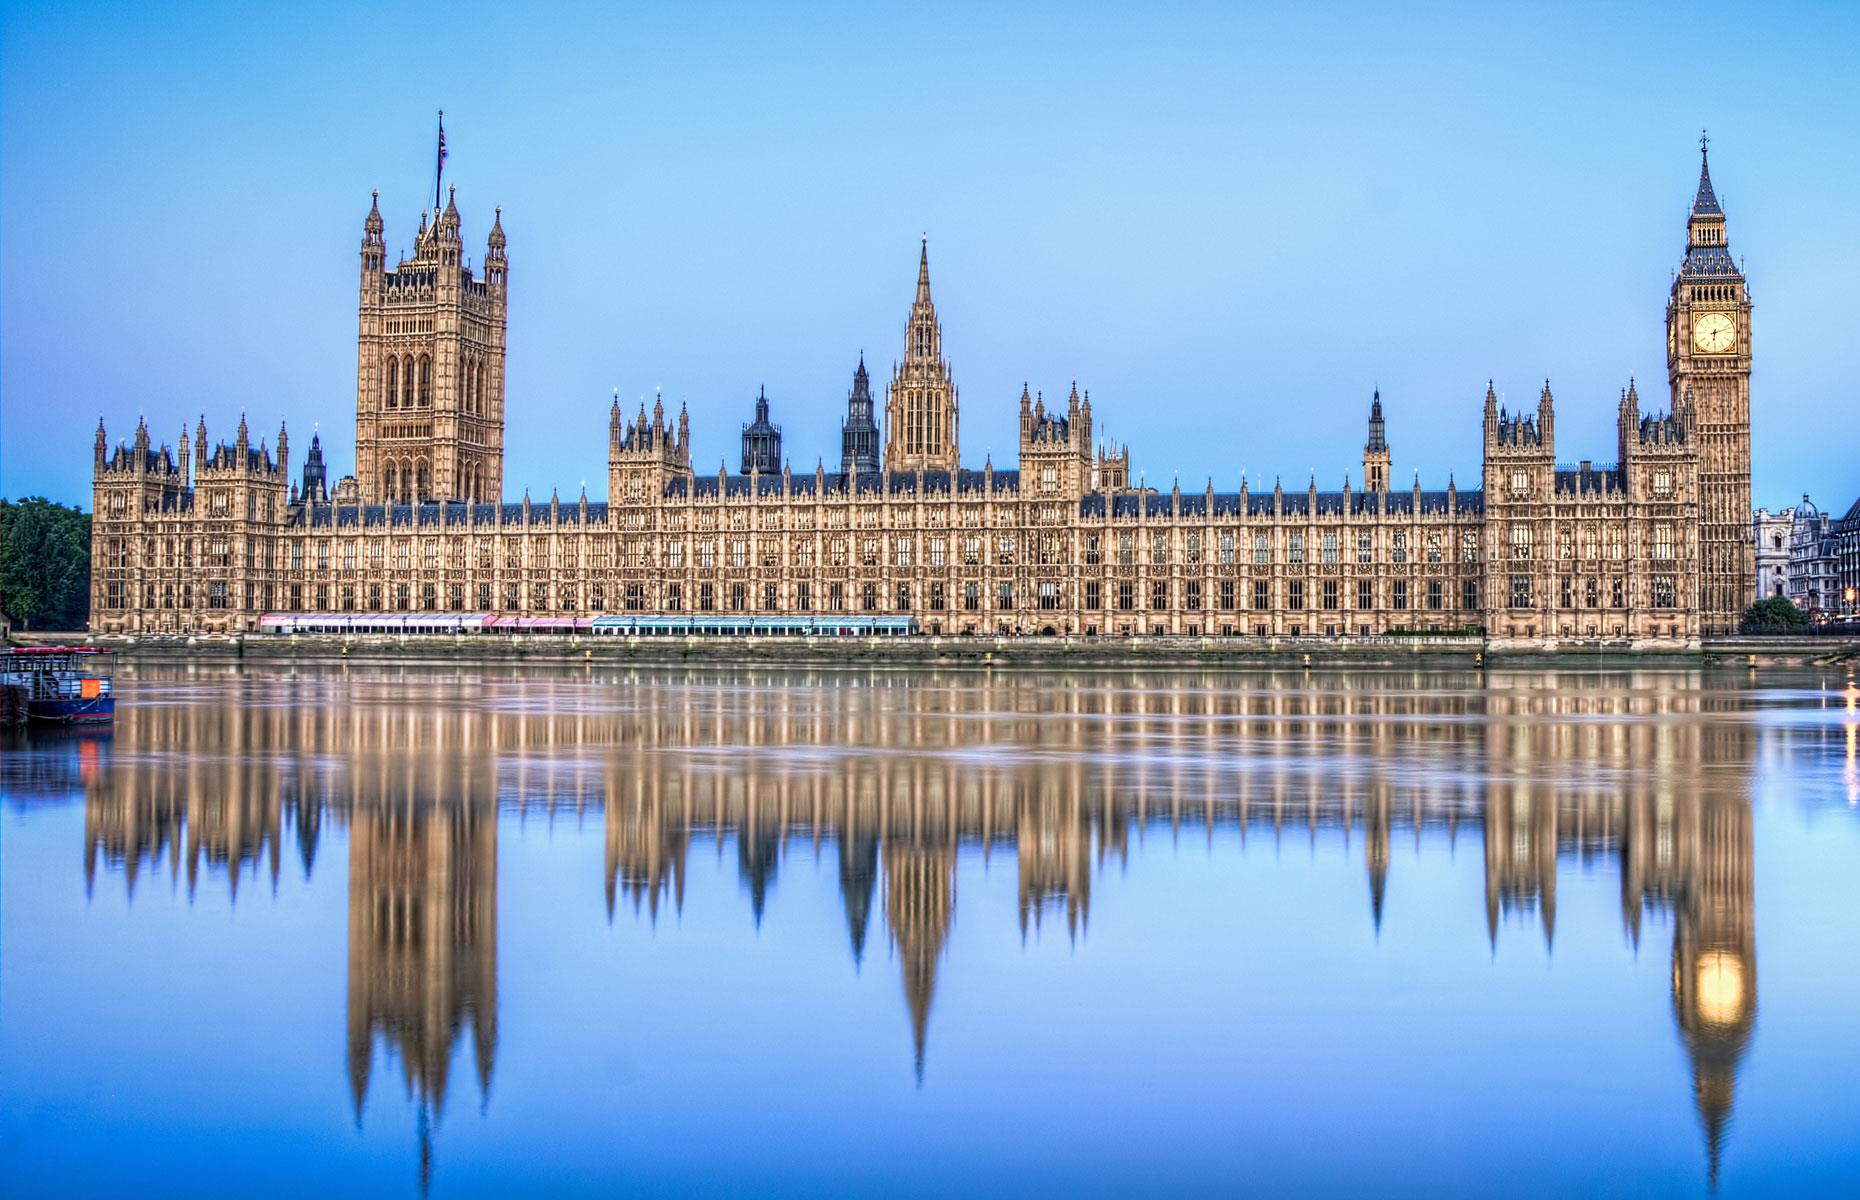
{"type": "Point", "coordinates": [388, 479]}
{"type": "Point", "coordinates": [423, 480]}
{"type": "Point", "coordinates": [393, 382]}
{"type": "Point", "coordinates": [482, 408]}
{"type": "Point", "coordinates": [426, 382]}
{"type": "Point", "coordinates": [468, 396]}
{"type": "Point", "coordinates": [406, 381]}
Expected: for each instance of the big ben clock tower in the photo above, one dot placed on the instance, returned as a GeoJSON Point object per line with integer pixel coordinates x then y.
{"type": "Point", "coordinates": [1708, 367]}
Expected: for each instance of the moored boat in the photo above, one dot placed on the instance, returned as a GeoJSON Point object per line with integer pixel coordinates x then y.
{"type": "Point", "coordinates": [66, 685]}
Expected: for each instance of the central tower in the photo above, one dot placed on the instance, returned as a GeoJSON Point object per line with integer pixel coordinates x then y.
{"type": "Point", "coordinates": [920, 408]}
{"type": "Point", "coordinates": [429, 374]}
{"type": "Point", "coordinates": [1708, 367]}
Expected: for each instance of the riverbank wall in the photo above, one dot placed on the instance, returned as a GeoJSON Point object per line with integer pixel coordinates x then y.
{"type": "Point", "coordinates": [1442, 651]}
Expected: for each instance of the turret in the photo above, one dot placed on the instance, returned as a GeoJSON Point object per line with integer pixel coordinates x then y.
{"type": "Point", "coordinates": [374, 248]}
{"type": "Point", "coordinates": [1376, 449]}
{"type": "Point", "coordinates": [859, 434]}
{"type": "Point", "coordinates": [761, 440]}
{"type": "Point", "coordinates": [495, 263]}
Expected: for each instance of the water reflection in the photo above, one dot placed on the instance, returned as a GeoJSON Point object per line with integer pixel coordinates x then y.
{"type": "Point", "coordinates": [899, 777]}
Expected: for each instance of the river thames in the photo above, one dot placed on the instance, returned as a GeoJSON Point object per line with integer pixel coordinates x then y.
{"type": "Point", "coordinates": [717, 931]}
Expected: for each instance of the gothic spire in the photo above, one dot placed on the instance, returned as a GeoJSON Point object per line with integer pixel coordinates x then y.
{"type": "Point", "coordinates": [1706, 202]}
{"type": "Point", "coordinates": [923, 273]}
{"type": "Point", "coordinates": [1378, 435]}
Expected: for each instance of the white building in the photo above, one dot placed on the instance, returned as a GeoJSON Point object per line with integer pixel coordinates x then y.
{"type": "Point", "coordinates": [1770, 532]}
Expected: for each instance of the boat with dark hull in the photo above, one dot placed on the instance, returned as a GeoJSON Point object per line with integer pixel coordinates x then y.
{"type": "Point", "coordinates": [58, 685]}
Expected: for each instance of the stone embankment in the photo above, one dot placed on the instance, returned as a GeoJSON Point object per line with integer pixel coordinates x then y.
{"type": "Point", "coordinates": [1452, 650]}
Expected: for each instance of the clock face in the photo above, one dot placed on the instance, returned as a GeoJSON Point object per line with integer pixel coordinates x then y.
{"type": "Point", "coordinates": [1714, 333]}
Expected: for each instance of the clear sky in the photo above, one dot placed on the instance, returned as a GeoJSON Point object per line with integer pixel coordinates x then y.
{"type": "Point", "coordinates": [1229, 226]}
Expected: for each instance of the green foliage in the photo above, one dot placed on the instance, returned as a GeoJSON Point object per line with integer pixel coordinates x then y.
{"type": "Point", "coordinates": [44, 564]}
{"type": "Point", "coordinates": [1775, 615]}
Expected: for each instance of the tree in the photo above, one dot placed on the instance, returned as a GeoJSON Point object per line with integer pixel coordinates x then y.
{"type": "Point", "coordinates": [1774, 615]}
{"type": "Point", "coordinates": [44, 564]}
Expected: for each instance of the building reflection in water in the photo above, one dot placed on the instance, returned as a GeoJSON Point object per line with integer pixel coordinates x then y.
{"type": "Point", "coordinates": [904, 774]}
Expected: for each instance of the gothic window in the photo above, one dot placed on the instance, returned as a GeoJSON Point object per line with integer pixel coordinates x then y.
{"type": "Point", "coordinates": [393, 383]}
{"type": "Point", "coordinates": [1005, 597]}
{"type": "Point", "coordinates": [1126, 550]}
{"type": "Point", "coordinates": [1520, 591]}
{"type": "Point", "coordinates": [1436, 594]}
{"type": "Point", "coordinates": [1094, 594]}
{"type": "Point", "coordinates": [706, 553]}
{"type": "Point", "coordinates": [426, 382]}
{"type": "Point", "coordinates": [937, 552]}
{"type": "Point", "coordinates": [1092, 553]}
{"type": "Point", "coordinates": [1520, 541]}
{"type": "Point", "coordinates": [1159, 548]}
{"type": "Point", "coordinates": [1663, 483]}
{"type": "Point", "coordinates": [1469, 594]}
{"type": "Point", "coordinates": [406, 381]}
{"type": "Point", "coordinates": [1663, 541]}
{"type": "Point", "coordinates": [1192, 552]}
{"type": "Point", "coordinates": [1004, 550]}
{"type": "Point", "coordinates": [1565, 544]}
{"type": "Point", "coordinates": [1330, 549]}
{"type": "Point", "coordinates": [1159, 595]}
{"type": "Point", "coordinates": [1262, 550]}
{"type": "Point", "coordinates": [1330, 598]}
{"type": "Point", "coordinates": [971, 596]}
{"type": "Point", "coordinates": [1365, 594]}
{"type": "Point", "coordinates": [1398, 595]}
{"type": "Point", "coordinates": [1433, 546]}
{"type": "Point", "coordinates": [836, 551]}
{"type": "Point", "coordinates": [1365, 548]}
{"type": "Point", "coordinates": [1126, 595]}
{"type": "Point", "coordinates": [1262, 595]}
{"type": "Point", "coordinates": [1295, 549]}
{"type": "Point", "coordinates": [1227, 595]}
{"type": "Point", "coordinates": [1617, 545]}
{"type": "Point", "coordinates": [1227, 549]}
{"type": "Point", "coordinates": [1400, 552]}
{"type": "Point", "coordinates": [1295, 593]}
{"type": "Point", "coordinates": [1520, 483]}
{"type": "Point", "coordinates": [904, 597]}
{"type": "Point", "coordinates": [1049, 479]}
{"type": "Point", "coordinates": [1663, 591]}
{"type": "Point", "coordinates": [423, 484]}
{"type": "Point", "coordinates": [904, 554]}
{"type": "Point", "coordinates": [1193, 595]}
{"type": "Point", "coordinates": [936, 596]}
{"type": "Point", "coordinates": [739, 552]}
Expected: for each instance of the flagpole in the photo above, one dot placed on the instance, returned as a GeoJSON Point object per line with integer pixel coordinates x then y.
{"type": "Point", "coordinates": [439, 164]}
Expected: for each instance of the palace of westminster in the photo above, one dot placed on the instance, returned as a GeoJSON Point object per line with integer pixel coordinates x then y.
{"type": "Point", "coordinates": [1655, 547]}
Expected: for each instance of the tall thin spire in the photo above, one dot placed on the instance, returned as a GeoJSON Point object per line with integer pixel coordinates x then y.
{"type": "Point", "coordinates": [1706, 202]}
{"type": "Point", "coordinates": [923, 272]}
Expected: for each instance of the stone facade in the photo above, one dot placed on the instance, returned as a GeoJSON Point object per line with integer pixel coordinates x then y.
{"type": "Point", "coordinates": [429, 377]}
{"type": "Point", "coordinates": [1824, 561]}
{"type": "Point", "coordinates": [1060, 544]}
{"type": "Point", "coordinates": [1770, 533]}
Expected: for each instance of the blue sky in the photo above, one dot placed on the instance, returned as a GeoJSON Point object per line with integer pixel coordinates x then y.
{"type": "Point", "coordinates": [1229, 226]}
